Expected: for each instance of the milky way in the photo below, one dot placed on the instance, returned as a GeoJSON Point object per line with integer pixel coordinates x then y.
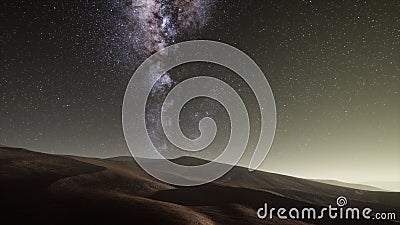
{"type": "Point", "coordinates": [156, 24]}
{"type": "Point", "coordinates": [160, 22]}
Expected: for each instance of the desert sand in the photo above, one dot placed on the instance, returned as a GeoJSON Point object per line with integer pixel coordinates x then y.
{"type": "Point", "coordinates": [38, 188]}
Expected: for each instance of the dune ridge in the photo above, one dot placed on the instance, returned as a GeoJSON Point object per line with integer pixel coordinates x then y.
{"type": "Point", "coordinates": [38, 188]}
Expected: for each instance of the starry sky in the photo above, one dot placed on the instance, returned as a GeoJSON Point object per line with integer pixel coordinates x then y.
{"type": "Point", "coordinates": [333, 66]}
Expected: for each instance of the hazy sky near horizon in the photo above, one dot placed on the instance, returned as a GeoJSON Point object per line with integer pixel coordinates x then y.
{"type": "Point", "coordinates": [333, 66]}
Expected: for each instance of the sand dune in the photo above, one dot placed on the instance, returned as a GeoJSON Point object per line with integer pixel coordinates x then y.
{"type": "Point", "coordinates": [349, 185]}
{"type": "Point", "coordinates": [37, 188]}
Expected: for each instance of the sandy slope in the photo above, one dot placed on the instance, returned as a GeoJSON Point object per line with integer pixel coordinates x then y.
{"type": "Point", "coordinates": [37, 188]}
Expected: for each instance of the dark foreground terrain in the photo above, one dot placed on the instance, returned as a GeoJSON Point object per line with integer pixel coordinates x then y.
{"type": "Point", "coordinates": [37, 188]}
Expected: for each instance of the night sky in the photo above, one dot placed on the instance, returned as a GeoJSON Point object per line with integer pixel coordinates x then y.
{"type": "Point", "coordinates": [333, 66]}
